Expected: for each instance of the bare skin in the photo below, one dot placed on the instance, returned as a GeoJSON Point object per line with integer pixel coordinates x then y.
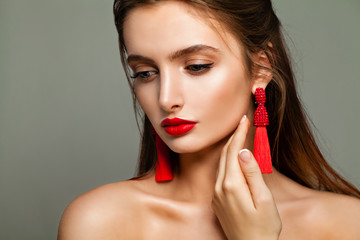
{"type": "Point", "coordinates": [132, 210]}
{"type": "Point", "coordinates": [216, 194]}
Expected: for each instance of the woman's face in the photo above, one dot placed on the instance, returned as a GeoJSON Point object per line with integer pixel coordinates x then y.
{"type": "Point", "coordinates": [184, 68]}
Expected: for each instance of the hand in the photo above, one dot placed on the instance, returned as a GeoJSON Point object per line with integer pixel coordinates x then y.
{"type": "Point", "coordinates": [242, 202]}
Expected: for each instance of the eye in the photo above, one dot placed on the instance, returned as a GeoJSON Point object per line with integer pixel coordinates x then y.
{"type": "Point", "coordinates": [144, 75]}
{"type": "Point", "coordinates": [198, 68]}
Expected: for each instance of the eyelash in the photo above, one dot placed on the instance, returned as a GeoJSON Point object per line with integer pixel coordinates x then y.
{"type": "Point", "coordinates": [195, 68]}
{"type": "Point", "coordinates": [202, 67]}
{"type": "Point", "coordinates": [136, 75]}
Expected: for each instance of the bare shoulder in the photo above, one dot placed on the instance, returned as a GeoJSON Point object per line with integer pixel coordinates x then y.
{"type": "Point", "coordinates": [331, 215]}
{"type": "Point", "coordinates": [338, 214]}
{"type": "Point", "coordinates": [95, 214]}
{"type": "Point", "coordinates": [311, 214]}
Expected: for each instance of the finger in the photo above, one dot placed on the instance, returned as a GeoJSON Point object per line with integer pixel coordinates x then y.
{"type": "Point", "coordinates": [237, 143]}
{"type": "Point", "coordinates": [222, 163]}
{"type": "Point", "coordinates": [234, 183]}
{"type": "Point", "coordinates": [259, 191]}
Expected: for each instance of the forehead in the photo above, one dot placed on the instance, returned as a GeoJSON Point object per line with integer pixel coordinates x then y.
{"type": "Point", "coordinates": [172, 25]}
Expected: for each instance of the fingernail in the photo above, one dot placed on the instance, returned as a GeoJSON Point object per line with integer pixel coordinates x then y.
{"type": "Point", "coordinates": [245, 155]}
{"type": "Point", "coordinates": [243, 119]}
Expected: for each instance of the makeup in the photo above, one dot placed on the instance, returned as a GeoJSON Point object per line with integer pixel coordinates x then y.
{"type": "Point", "coordinates": [177, 126]}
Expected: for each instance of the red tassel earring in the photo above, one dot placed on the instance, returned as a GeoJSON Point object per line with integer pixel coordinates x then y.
{"type": "Point", "coordinates": [261, 144]}
{"type": "Point", "coordinates": [163, 167]}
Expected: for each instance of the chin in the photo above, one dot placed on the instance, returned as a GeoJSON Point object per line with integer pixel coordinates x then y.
{"type": "Point", "coordinates": [185, 149]}
{"type": "Point", "coordinates": [189, 146]}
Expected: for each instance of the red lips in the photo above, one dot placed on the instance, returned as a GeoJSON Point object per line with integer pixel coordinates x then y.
{"type": "Point", "coordinates": [177, 126]}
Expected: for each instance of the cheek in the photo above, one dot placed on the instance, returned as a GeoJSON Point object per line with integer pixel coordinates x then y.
{"type": "Point", "coordinates": [225, 94]}
{"type": "Point", "coordinates": [147, 97]}
{"type": "Point", "coordinates": [220, 103]}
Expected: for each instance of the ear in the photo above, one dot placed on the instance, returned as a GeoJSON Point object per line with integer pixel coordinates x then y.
{"type": "Point", "coordinates": [262, 74]}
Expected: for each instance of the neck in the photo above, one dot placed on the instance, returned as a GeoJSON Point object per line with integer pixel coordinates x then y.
{"type": "Point", "coordinates": [196, 178]}
{"type": "Point", "coordinates": [197, 174]}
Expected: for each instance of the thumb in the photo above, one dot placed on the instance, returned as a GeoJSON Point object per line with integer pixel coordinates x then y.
{"type": "Point", "coordinates": [252, 173]}
{"type": "Point", "coordinates": [249, 165]}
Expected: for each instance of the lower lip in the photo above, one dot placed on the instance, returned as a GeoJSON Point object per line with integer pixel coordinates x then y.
{"type": "Point", "coordinates": [179, 129]}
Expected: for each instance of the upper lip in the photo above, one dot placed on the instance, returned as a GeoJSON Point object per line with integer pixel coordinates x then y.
{"type": "Point", "coordinates": [175, 121]}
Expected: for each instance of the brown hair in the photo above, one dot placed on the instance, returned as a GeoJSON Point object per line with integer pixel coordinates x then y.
{"type": "Point", "coordinates": [254, 23]}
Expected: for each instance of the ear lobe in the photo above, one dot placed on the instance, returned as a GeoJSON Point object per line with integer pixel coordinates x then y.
{"type": "Point", "coordinates": [262, 71]}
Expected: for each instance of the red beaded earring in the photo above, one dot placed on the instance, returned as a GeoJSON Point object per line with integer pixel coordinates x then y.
{"type": "Point", "coordinates": [261, 144]}
{"type": "Point", "coordinates": [163, 166]}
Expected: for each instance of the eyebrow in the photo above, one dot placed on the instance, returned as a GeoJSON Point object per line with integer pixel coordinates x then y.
{"type": "Point", "coordinates": [175, 55]}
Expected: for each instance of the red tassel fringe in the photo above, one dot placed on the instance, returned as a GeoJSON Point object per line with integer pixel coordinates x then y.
{"type": "Point", "coordinates": [163, 167]}
{"type": "Point", "coordinates": [262, 150]}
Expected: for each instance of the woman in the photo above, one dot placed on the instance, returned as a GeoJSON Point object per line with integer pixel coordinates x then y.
{"type": "Point", "coordinates": [194, 67]}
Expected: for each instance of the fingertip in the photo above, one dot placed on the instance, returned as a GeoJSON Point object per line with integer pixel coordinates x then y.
{"type": "Point", "coordinates": [243, 119]}
{"type": "Point", "coordinates": [247, 161]}
{"type": "Point", "coordinates": [250, 168]}
{"type": "Point", "coordinates": [245, 155]}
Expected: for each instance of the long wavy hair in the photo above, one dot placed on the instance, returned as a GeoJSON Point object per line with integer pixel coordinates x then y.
{"type": "Point", "coordinates": [254, 23]}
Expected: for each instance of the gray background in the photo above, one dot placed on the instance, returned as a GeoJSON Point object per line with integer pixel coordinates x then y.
{"type": "Point", "coordinates": [66, 118]}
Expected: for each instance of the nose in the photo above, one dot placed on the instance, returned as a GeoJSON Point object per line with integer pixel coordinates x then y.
{"type": "Point", "coordinates": [171, 93]}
